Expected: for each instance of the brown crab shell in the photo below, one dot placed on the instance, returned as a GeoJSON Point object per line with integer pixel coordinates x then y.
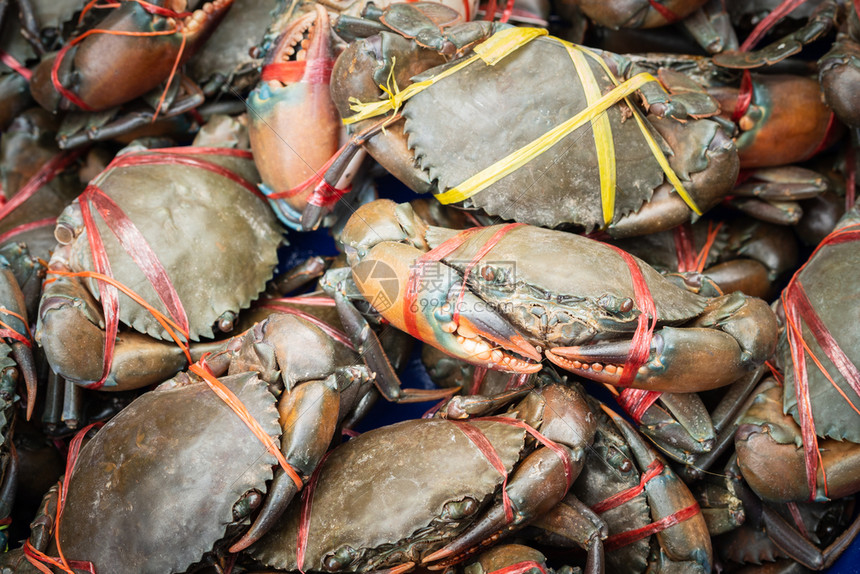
{"type": "Point", "coordinates": [216, 240]}
{"type": "Point", "coordinates": [479, 115]}
{"type": "Point", "coordinates": [155, 488]}
{"type": "Point", "coordinates": [834, 298]}
{"type": "Point", "coordinates": [382, 490]}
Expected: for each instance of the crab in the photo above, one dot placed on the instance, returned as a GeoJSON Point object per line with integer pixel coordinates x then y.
{"type": "Point", "coordinates": [526, 298]}
{"type": "Point", "coordinates": [441, 503]}
{"type": "Point", "coordinates": [457, 105]}
{"type": "Point", "coordinates": [192, 245]}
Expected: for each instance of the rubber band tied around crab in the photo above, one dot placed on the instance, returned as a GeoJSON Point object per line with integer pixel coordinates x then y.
{"type": "Point", "coordinates": [494, 50]}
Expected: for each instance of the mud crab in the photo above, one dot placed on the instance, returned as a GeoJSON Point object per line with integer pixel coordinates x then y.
{"type": "Point", "coordinates": [432, 515]}
{"type": "Point", "coordinates": [153, 35]}
{"type": "Point", "coordinates": [519, 304]}
{"type": "Point", "coordinates": [819, 398]}
{"type": "Point", "coordinates": [515, 179]}
{"type": "Point", "coordinates": [196, 188]}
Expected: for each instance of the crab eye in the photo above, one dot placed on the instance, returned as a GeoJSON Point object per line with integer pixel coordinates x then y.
{"type": "Point", "coordinates": [339, 559]}
{"type": "Point", "coordinates": [457, 510]}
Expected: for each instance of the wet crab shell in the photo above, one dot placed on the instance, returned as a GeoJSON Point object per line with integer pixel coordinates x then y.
{"type": "Point", "coordinates": [211, 235]}
{"type": "Point", "coordinates": [835, 301]}
{"type": "Point", "coordinates": [383, 493]}
{"type": "Point", "coordinates": [481, 114]}
{"type": "Point", "coordinates": [168, 470]}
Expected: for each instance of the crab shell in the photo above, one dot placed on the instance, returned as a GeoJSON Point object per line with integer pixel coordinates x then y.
{"type": "Point", "coordinates": [481, 114]}
{"type": "Point", "coordinates": [211, 235]}
{"type": "Point", "coordinates": [384, 493]}
{"type": "Point", "coordinates": [168, 469]}
{"type": "Point", "coordinates": [835, 301]}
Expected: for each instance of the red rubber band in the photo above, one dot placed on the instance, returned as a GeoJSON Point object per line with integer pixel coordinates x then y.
{"type": "Point", "coordinates": [135, 244]}
{"type": "Point", "coordinates": [313, 179]}
{"type": "Point", "coordinates": [665, 12]}
{"type": "Point", "coordinates": [25, 227]}
{"type": "Point", "coordinates": [745, 95]}
{"type": "Point", "coordinates": [850, 176]}
{"type": "Point", "coordinates": [684, 248]}
{"type": "Point", "coordinates": [768, 22]}
{"type": "Point", "coordinates": [624, 538]}
{"type": "Point", "coordinates": [188, 159]}
{"type": "Point", "coordinates": [479, 373]}
{"type": "Point", "coordinates": [16, 66]}
{"type": "Point", "coordinates": [519, 568]}
{"type": "Point", "coordinates": [553, 446]}
{"type": "Point", "coordinates": [484, 445]}
{"type": "Point", "coordinates": [640, 346]}
{"type": "Point", "coordinates": [636, 401]}
{"type": "Point", "coordinates": [316, 71]}
{"type": "Point", "coordinates": [798, 519]}
{"type": "Point", "coordinates": [414, 281]}
{"type": "Point", "coordinates": [107, 293]}
{"type": "Point", "coordinates": [652, 471]}
{"type": "Point", "coordinates": [43, 176]}
{"type": "Point", "coordinates": [482, 252]}
{"type": "Point", "coordinates": [797, 307]}
{"type": "Point", "coordinates": [332, 332]}
{"type": "Point", "coordinates": [325, 195]}
{"type": "Point", "coordinates": [305, 517]}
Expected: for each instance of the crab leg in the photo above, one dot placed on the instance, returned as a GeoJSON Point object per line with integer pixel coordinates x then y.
{"type": "Point", "coordinates": [734, 333]}
{"type": "Point", "coordinates": [370, 349]}
{"type": "Point", "coordinates": [14, 318]}
{"type": "Point", "coordinates": [542, 480]}
{"type": "Point", "coordinates": [309, 417]}
{"type": "Point", "coordinates": [687, 541]}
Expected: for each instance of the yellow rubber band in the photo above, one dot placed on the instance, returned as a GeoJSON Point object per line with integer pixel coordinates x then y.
{"type": "Point", "coordinates": [602, 130]}
{"type": "Point", "coordinates": [525, 154]}
{"type": "Point", "coordinates": [649, 139]}
{"type": "Point", "coordinates": [490, 51]}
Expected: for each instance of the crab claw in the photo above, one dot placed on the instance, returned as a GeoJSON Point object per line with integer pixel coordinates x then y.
{"type": "Point", "coordinates": [733, 335]}
{"type": "Point", "coordinates": [293, 100]}
{"type": "Point", "coordinates": [135, 36]}
{"type": "Point", "coordinates": [24, 357]}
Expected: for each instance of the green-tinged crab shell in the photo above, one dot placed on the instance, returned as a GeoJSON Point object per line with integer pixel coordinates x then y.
{"type": "Point", "coordinates": [376, 492]}
{"type": "Point", "coordinates": [157, 485]}
{"type": "Point", "coordinates": [591, 285]}
{"type": "Point", "coordinates": [481, 114]}
{"type": "Point", "coordinates": [828, 281]}
{"type": "Point", "coordinates": [216, 240]}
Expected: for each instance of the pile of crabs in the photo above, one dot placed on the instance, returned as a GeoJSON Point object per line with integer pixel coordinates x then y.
{"type": "Point", "coordinates": [629, 309]}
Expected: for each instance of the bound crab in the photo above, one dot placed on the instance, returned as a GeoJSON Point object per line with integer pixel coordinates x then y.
{"type": "Point", "coordinates": [818, 354]}
{"type": "Point", "coordinates": [567, 141]}
{"type": "Point", "coordinates": [151, 40]}
{"type": "Point", "coordinates": [504, 296]}
{"type": "Point", "coordinates": [164, 251]}
{"type": "Point", "coordinates": [469, 483]}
